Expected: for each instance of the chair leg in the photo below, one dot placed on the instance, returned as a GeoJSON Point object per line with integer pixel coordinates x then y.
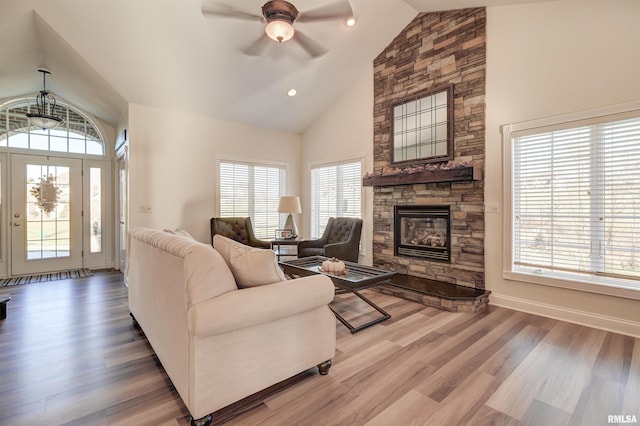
{"type": "Point", "coordinates": [323, 368]}
{"type": "Point", "coordinates": [204, 421]}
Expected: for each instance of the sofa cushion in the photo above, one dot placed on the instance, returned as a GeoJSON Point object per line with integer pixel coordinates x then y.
{"type": "Point", "coordinates": [250, 266]}
{"type": "Point", "coordinates": [206, 273]}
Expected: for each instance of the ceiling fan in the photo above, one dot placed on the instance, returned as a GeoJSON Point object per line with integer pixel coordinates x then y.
{"type": "Point", "coordinates": [279, 16]}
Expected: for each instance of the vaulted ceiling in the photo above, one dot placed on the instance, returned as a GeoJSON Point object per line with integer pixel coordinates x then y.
{"type": "Point", "coordinates": [168, 54]}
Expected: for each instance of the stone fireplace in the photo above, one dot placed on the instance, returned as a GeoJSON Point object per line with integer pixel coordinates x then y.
{"type": "Point", "coordinates": [435, 49]}
{"type": "Point", "coordinates": [422, 232]}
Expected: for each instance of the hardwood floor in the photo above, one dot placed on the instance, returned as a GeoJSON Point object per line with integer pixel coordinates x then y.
{"type": "Point", "coordinates": [70, 354]}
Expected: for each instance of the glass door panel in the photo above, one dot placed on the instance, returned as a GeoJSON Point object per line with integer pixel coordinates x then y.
{"type": "Point", "coordinates": [46, 220]}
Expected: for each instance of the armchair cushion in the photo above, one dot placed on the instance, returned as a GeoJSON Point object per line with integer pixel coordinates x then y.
{"type": "Point", "coordinates": [341, 239]}
{"type": "Point", "coordinates": [250, 266]}
{"type": "Point", "coordinates": [238, 229]}
{"type": "Point", "coordinates": [340, 231]}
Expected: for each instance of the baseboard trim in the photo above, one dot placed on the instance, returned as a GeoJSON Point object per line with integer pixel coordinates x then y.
{"type": "Point", "coordinates": [602, 322]}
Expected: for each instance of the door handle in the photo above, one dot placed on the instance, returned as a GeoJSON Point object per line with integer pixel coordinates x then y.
{"type": "Point", "coordinates": [16, 224]}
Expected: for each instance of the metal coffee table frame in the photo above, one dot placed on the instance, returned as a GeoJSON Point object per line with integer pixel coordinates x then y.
{"type": "Point", "coordinates": [358, 277]}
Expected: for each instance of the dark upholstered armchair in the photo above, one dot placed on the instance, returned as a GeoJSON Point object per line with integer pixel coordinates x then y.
{"type": "Point", "coordinates": [238, 229]}
{"type": "Point", "coordinates": [341, 239]}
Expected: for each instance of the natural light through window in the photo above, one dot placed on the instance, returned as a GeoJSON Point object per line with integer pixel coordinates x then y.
{"type": "Point", "coordinates": [253, 190]}
{"type": "Point", "coordinates": [48, 220]}
{"type": "Point", "coordinates": [576, 201]}
{"type": "Point", "coordinates": [335, 192]}
{"type": "Point", "coordinates": [95, 208]}
{"type": "Point", "coordinates": [76, 135]}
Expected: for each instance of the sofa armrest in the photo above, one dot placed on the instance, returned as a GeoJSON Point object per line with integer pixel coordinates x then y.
{"type": "Point", "coordinates": [258, 305]}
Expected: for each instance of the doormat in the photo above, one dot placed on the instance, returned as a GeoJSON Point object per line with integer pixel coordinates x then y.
{"type": "Point", "coordinates": [51, 276]}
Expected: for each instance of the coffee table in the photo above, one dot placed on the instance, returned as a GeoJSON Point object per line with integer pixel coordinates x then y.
{"type": "Point", "coordinates": [357, 278]}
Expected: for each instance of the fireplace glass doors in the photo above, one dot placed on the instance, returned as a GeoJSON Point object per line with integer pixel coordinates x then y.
{"type": "Point", "coordinates": [423, 231]}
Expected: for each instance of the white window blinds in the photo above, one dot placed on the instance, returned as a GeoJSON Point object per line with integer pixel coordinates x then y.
{"type": "Point", "coordinates": [252, 190]}
{"type": "Point", "coordinates": [576, 199]}
{"type": "Point", "coordinates": [335, 192]}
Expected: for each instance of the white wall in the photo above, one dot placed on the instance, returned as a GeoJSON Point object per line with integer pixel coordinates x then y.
{"type": "Point", "coordinates": [546, 59]}
{"type": "Point", "coordinates": [345, 131]}
{"type": "Point", "coordinates": [172, 165]}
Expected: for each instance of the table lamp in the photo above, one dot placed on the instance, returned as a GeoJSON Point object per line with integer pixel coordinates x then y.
{"type": "Point", "coordinates": [290, 204]}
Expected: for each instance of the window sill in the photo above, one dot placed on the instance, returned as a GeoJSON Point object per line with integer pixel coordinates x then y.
{"type": "Point", "coordinates": [597, 285]}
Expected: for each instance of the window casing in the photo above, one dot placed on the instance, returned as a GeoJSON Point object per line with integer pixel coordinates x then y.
{"type": "Point", "coordinates": [572, 189]}
{"type": "Point", "coordinates": [254, 190]}
{"type": "Point", "coordinates": [336, 191]}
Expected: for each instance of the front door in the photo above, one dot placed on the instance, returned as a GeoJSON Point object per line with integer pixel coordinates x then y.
{"type": "Point", "coordinates": [46, 214]}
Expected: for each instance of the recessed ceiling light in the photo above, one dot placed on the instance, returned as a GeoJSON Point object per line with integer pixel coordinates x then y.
{"type": "Point", "coordinates": [292, 92]}
{"type": "Point", "coordinates": [350, 22]}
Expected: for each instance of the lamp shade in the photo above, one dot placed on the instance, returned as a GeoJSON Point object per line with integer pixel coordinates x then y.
{"type": "Point", "coordinates": [289, 204]}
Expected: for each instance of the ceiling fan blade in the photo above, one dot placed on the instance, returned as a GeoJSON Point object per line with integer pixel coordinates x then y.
{"type": "Point", "coordinates": [331, 12]}
{"type": "Point", "coordinates": [226, 11]}
{"type": "Point", "coordinates": [257, 47]}
{"type": "Point", "coordinates": [312, 47]}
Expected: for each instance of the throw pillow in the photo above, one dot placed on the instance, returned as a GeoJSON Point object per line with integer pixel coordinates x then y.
{"type": "Point", "coordinates": [250, 266]}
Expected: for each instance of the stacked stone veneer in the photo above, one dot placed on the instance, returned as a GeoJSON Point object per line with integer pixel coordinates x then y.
{"type": "Point", "coordinates": [435, 49]}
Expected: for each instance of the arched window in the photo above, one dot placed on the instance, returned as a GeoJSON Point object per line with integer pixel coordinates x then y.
{"type": "Point", "coordinates": [76, 135]}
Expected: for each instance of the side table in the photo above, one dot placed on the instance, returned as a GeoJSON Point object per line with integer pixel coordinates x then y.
{"type": "Point", "coordinates": [290, 247]}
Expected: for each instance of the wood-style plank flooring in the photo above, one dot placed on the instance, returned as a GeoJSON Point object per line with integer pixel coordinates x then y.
{"type": "Point", "coordinates": [70, 354]}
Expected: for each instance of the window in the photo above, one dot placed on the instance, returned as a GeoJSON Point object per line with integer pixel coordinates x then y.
{"type": "Point", "coordinates": [252, 190]}
{"type": "Point", "coordinates": [335, 192]}
{"type": "Point", "coordinates": [423, 127]}
{"type": "Point", "coordinates": [95, 208]}
{"type": "Point", "coordinates": [575, 206]}
{"type": "Point", "coordinates": [75, 135]}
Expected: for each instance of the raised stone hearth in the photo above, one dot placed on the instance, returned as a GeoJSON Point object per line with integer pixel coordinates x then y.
{"type": "Point", "coordinates": [437, 294]}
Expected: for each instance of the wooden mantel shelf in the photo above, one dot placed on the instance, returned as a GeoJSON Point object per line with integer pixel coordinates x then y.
{"type": "Point", "coordinates": [459, 174]}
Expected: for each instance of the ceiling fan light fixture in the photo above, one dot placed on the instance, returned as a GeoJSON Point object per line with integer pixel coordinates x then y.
{"type": "Point", "coordinates": [279, 30]}
{"type": "Point", "coordinates": [350, 21]}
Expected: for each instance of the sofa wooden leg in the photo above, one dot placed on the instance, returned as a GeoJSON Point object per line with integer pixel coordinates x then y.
{"type": "Point", "coordinates": [203, 421]}
{"type": "Point", "coordinates": [324, 367]}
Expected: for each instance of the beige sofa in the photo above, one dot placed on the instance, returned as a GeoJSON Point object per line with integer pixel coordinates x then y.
{"type": "Point", "coordinates": [217, 342]}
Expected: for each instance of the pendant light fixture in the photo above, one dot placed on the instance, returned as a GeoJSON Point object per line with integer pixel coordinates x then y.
{"type": "Point", "coordinates": [45, 118]}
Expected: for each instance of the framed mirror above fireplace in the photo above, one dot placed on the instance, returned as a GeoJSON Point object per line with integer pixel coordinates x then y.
{"type": "Point", "coordinates": [423, 232]}
{"type": "Point", "coordinates": [422, 127]}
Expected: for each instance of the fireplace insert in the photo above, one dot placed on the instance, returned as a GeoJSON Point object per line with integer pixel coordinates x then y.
{"type": "Point", "coordinates": [423, 232]}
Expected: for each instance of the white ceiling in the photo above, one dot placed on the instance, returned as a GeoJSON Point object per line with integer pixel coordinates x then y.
{"type": "Point", "coordinates": [104, 54]}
